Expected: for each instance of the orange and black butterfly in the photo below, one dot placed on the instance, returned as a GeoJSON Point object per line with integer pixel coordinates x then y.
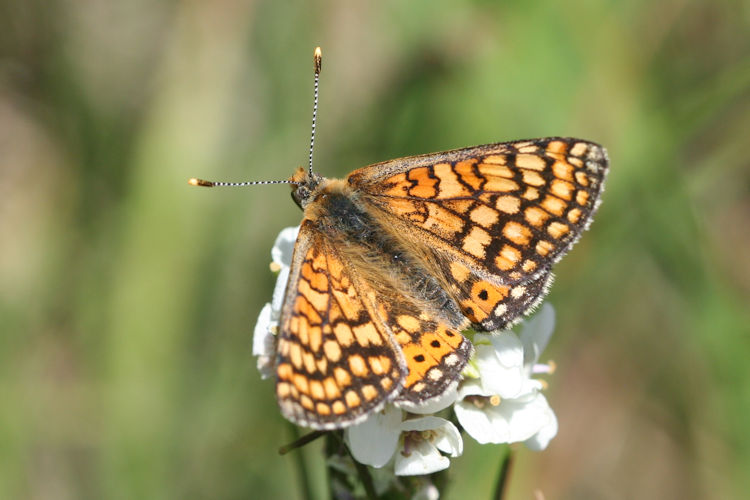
{"type": "Point", "coordinates": [394, 261]}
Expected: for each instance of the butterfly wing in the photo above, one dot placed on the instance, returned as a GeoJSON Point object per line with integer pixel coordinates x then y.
{"type": "Point", "coordinates": [490, 306]}
{"type": "Point", "coordinates": [350, 341]}
{"type": "Point", "coordinates": [494, 217]}
{"type": "Point", "coordinates": [334, 364]}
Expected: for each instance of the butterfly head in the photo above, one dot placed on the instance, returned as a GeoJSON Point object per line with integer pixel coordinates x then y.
{"type": "Point", "coordinates": [305, 185]}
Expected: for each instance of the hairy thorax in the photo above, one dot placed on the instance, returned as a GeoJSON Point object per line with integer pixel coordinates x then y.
{"type": "Point", "coordinates": [373, 248]}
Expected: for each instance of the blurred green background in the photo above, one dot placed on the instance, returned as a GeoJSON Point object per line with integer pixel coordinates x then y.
{"type": "Point", "coordinates": [127, 298]}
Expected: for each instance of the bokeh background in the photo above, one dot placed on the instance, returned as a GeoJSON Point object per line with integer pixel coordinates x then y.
{"type": "Point", "coordinates": [127, 297]}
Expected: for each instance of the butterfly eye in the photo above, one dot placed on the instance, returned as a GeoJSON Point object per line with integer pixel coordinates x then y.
{"type": "Point", "coordinates": [300, 194]}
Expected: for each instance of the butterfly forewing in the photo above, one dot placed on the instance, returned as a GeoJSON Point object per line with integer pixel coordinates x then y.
{"type": "Point", "coordinates": [507, 211]}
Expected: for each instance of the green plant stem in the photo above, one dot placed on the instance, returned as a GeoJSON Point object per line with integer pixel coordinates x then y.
{"type": "Point", "coordinates": [307, 438]}
{"type": "Point", "coordinates": [504, 474]}
{"type": "Point", "coordinates": [300, 465]}
{"type": "Point", "coordinates": [366, 478]}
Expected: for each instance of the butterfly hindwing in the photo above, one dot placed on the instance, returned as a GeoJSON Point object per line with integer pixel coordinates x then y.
{"type": "Point", "coordinates": [434, 350]}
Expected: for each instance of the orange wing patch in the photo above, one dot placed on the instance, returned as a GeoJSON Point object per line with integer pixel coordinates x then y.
{"type": "Point", "coordinates": [335, 363]}
{"type": "Point", "coordinates": [498, 307]}
{"type": "Point", "coordinates": [435, 354]}
{"type": "Point", "coordinates": [508, 210]}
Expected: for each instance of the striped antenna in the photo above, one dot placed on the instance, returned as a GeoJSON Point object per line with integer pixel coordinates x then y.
{"type": "Point", "coordinates": [318, 64]}
{"type": "Point", "coordinates": [200, 182]}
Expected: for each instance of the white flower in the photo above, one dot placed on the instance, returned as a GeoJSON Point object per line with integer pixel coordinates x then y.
{"type": "Point", "coordinates": [374, 441]}
{"type": "Point", "coordinates": [413, 444]}
{"type": "Point", "coordinates": [490, 419]}
{"type": "Point", "coordinates": [432, 405]}
{"type": "Point", "coordinates": [504, 404]}
{"type": "Point", "coordinates": [499, 359]}
{"type": "Point", "coordinates": [423, 440]}
{"type": "Point", "coordinates": [268, 319]}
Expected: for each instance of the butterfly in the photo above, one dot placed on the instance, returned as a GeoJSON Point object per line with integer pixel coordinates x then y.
{"type": "Point", "coordinates": [393, 262]}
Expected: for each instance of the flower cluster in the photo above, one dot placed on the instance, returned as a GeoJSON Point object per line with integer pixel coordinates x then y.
{"type": "Point", "coordinates": [497, 401]}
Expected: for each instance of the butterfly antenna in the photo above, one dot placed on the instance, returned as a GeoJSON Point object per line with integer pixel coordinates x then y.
{"type": "Point", "coordinates": [318, 65]}
{"type": "Point", "coordinates": [201, 182]}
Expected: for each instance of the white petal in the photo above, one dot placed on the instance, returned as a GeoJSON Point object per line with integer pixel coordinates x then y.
{"type": "Point", "coordinates": [471, 387]}
{"type": "Point", "coordinates": [263, 341]}
{"type": "Point", "coordinates": [423, 423]}
{"type": "Point", "coordinates": [432, 405]}
{"type": "Point", "coordinates": [278, 292]}
{"type": "Point", "coordinates": [511, 421]}
{"type": "Point", "coordinates": [506, 345]}
{"type": "Point", "coordinates": [530, 386]}
{"type": "Point", "coordinates": [262, 331]}
{"type": "Point", "coordinates": [476, 422]}
{"type": "Point", "coordinates": [501, 364]}
{"type": "Point", "coordinates": [283, 247]}
{"type": "Point", "coordinates": [422, 458]}
{"type": "Point", "coordinates": [536, 333]}
{"type": "Point", "coordinates": [541, 439]}
{"type": "Point", "coordinates": [448, 440]}
{"type": "Point", "coordinates": [374, 441]}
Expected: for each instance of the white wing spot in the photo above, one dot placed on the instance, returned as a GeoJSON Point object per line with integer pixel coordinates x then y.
{"type": "Point", "coordinates": [451, 359]}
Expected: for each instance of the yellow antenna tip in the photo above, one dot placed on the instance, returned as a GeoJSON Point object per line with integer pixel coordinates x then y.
{"type": "Point", "coordinates": [318, 60]}
{"type": "Point", "coordinates": [200, 182]}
